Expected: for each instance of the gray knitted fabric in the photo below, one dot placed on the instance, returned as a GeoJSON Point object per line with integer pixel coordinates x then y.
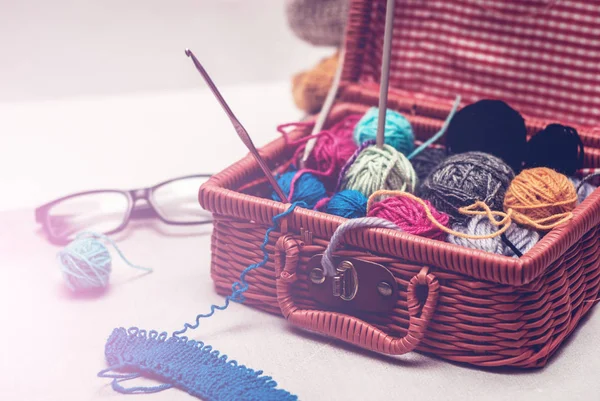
{"type": "Point", "coordinates": [319, 22]}
{"type": "Point", "coordinates": [462, 179]}
{"type": "Point", "coordinates": [522, 238]}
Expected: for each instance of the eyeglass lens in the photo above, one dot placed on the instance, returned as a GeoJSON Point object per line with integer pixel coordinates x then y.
{"type": "Point", "coordinates": [99, 212]}
{"type": "Point", "coordinates": [177, 201]}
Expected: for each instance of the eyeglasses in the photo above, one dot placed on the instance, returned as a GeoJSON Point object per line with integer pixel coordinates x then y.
{"type": "Point", "coordinates": [109, 211]}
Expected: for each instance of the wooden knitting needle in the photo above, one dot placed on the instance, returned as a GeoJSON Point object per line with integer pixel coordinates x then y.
{"type": "Point", "coordinates": [326, 107]}
{"type": "Point", "coordinates": [385, 71]}
{"type": "Point", "coordinates": [239, 128]}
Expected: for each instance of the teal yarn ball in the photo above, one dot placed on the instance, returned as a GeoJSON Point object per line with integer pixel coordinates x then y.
{"type": "Point", "coordinates": [376, 169]}
{"type": "Point", "coordinates": [307, 188]}
{"type": "Point", "coordinates": [85, 264]}
{"type": "Point", "coordinates": [398, 132]}
{"type": "Point", "coordinates": [348, 203]}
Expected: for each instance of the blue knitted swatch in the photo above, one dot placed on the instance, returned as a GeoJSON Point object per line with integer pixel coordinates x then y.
{"type": "Point", "coordinates": [187, 364]}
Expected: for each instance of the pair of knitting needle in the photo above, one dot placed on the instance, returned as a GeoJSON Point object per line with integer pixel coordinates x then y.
{"type": "Point", "coordinates": [245, 137]}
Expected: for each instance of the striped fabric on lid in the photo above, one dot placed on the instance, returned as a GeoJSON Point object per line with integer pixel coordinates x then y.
{"type": "Point", "coordinates": [540, 56]}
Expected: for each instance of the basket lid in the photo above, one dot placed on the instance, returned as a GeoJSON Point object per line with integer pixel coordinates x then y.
{"type": "Point", "coordinates": [540, 56]}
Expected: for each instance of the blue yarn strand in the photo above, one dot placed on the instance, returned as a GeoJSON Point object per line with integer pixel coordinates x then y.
{"type": "Point", "coordinates": [441, 132]}
{"type": "Point", "coordinates": [239, 287]}
{"type": "Point", "coordinates": [117, 378]}
{"type": "Point", "coordinates": [188, 364]}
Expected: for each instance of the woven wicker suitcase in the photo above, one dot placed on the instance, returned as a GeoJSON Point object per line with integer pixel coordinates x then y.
{"type": "Point", "coordinates": [400, 292]}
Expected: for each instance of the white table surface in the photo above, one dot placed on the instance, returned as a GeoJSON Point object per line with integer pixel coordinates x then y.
{"type": "Point", "coordinates": [53, 343]}
{"type": "Point", "coordinates": [98, 94]}
{"type": "Point", "coordinates": [52, 148]}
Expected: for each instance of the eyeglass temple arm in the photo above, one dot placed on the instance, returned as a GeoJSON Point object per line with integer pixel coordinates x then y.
{"type": "Point", "coordinates": [241, 131]}
{"type": "Point", "coordinates": [40, 212]}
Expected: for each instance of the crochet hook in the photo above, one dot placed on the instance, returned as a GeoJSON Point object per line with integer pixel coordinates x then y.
{"type": "Point", "coordinates": [239, 128]}
{"type": "Point", "coordinates": [385, 71]}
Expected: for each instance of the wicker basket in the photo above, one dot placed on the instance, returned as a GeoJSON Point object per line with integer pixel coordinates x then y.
{"type": "Point", "coordinates": [457, 303]}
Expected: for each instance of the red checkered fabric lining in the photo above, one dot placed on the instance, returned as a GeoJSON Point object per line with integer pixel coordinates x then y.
{"type": "Point", "coordinates": [540, 56]}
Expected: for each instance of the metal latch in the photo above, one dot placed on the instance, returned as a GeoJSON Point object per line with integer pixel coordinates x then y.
{"type": "Point", "coordinates": [345, 282]}
{"type": "Point", "coordinates": [377, 290]}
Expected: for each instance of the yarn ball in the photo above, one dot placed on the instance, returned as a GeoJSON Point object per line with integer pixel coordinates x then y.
{"type": "Point", "coordinates": [398, 132]}
{"type": "Point", "coordinates": [350, 162]}
{"type": "Point", "coordinates": [426, 161]}
{"type": "Point", "coordinates": [347, 203]}
{"type": "Point", "coordinates": [332, 151]}
{"type": "Point", "coordinates": [539, 193]}
{"type": "Point", "coordinates": [558, 147]}
{"type": "Point", "coordinates": [522, 238]}
{"type": "Point", "coordinates": [85, 264]}
{"type": "Point", "coordinates": [376, 169]}
{"type": "Point", "coordinates": [309, 88]}
{"type": "Point", "coordinates": [462, 179]}
{"type": "Point", "coordinates": [584, 190]}
{"type": "Point", "coordinates": [489, 126]}
{"type": "Point", "coordinates": [410, 216]}
{"type": "Point", "coordinates": [307, 188]}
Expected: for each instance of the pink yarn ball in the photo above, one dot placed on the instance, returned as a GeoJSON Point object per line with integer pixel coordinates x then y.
{"type": "Point", "coordinates": [410, 216]}
{"type": "Point", "coordinates": [333, 150]}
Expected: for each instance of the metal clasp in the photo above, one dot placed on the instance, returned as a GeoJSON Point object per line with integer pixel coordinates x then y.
{"type": "Point", "coordinates": [345, 282]}
{"type": "Point", "coordinates": [378, 290]}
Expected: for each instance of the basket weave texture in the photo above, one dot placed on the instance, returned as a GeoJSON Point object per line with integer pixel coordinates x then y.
{"type": "Point", "coordinates": [457, 303]}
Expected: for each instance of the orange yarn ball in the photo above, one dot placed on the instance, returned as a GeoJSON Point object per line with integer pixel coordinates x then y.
{"type": "Point", "coordinates": [540, 198]}
{"type": "Point", "coordinates": [310, 88]}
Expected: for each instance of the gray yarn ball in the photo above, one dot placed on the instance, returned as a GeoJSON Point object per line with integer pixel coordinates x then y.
{"type": "Point", "coordinates": [584, 191]}
{"type": "Point", "coordinates": [522, 238]}
{"type": "Point", "coordinates": [426, 161]}
{"type": "Point", "coordinates": [465, 178]}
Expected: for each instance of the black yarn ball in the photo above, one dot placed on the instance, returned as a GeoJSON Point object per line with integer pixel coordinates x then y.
{"type": "Point", "coordinates": [558, 147]}
{"type": "Point", "coordinates": [489, 126]}
{"type": "Point", "coordinates": [426, 161]}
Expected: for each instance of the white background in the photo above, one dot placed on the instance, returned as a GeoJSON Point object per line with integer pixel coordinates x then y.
{"type": "Point", "coordinates": [100, 93]}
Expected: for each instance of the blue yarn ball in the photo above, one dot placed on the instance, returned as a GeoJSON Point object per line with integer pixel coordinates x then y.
{"type": "Point", "coordinates": [308, 188]}
{"type": "Point", "coordinates": [348, 203]}
{"type": "Point", "coordinates": [398, 132]}
{"type": "Point", "coordinates": [86, 264]}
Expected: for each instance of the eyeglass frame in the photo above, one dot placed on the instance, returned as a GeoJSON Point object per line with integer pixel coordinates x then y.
{"type": "Point", "coordinates": [133, 195]}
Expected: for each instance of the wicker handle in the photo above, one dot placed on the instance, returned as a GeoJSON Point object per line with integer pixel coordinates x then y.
{"type": "Point", "coordinates": [349, 328]}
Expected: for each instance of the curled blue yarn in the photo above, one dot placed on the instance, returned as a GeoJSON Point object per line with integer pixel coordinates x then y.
{"type": "Point", "coordinates": [439, 134]}
{"type": "Point", "coordinates": [190, 365]}
{"type": "Point", "coordinates": [398, 131]}
{"type": "Point", "coordinates": [239, 287]}
{"type": "Point", "coordinates": [348, 203]}
{"type": "Point", "coordinates": [308, 188]}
